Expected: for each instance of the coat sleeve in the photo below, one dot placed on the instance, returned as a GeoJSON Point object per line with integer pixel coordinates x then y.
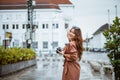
{"type": "Point", "coordinates": [72, 55]}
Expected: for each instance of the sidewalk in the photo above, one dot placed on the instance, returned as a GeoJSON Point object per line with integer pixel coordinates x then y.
{"type": "Point", "coordinates": [50, 70]}
{"type": "Point", "coordinates": [46, 71]}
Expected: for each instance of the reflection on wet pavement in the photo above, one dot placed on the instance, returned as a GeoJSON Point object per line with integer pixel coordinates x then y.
{"type": "Point", "coordinates": [45, 71]}
{"type": "Point", "coordinates": [52, 70]}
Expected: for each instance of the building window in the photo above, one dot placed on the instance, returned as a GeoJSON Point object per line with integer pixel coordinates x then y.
{"type": "Point", "coordinates": [55, 26]}
{"type": "Point", "coordinates": [24, 44]}
{"type": "Point", "coordinates": [36, 26]}
{"type": "Point", "coordinates": [3, 26]}
{"type": "Point", "coordinates": [66, 25]}
{"type": "Point", "coordinates": [16, 43]}
{"type": "Point", "coordinates": [55, 44]}
{"type": "Point", "coordinates": [45, 26]}
{"type": "Point", "coordinates": [28, 26]}
{"type": "Point", "coordinates": [35, 45]}
{"type": "Point", "coordinates": [16, 26]}
{"type": "Point", "coordinates": [45, 44]}
{"type": "Point", "coordinates": [13, 26]}
{"type": "Point", "coordinates": [23, 26]}
{"type": "Point", "coordinates": [7, 27]}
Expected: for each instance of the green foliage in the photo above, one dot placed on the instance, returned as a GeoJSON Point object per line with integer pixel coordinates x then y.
{"type": "Point", "coordinates": [112, 44]}
{"type": "Point", "coordinates": [13, 55]}
{"type": "Point", "coordinates": [108, 70]}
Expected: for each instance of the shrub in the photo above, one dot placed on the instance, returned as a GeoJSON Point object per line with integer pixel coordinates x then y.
{"type": "Point", "coordinates": [14, 55]}
{"type": "Point", "coordinates": [112, 45]}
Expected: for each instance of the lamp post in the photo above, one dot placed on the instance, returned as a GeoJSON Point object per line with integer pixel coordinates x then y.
{"type": "Point", "coordinates": [108, 18]}
{"type": "Point", "coordinates": [87, 42]}
{"type": "Point", "coordinates": [116, 53]}
{"type": "Point", "coordinates": [30, 27]}
{"type": "Point", "coordinates": [116, 9]}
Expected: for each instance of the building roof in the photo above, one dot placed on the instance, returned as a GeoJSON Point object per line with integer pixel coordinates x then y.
{"type": "Point", "coordinates": [24, 6]}
{"type": "Point", "coordinates": [55, 1]}
{"type": "Point", "coordinates": [37, 1]}
{"type": "Point", "coordinates": [101, 29]}
{"type": "Point", "coordinates": [40, 4]}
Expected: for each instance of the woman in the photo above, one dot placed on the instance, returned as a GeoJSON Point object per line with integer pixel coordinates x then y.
{"type": "Point", "coordinates": [72, 54]}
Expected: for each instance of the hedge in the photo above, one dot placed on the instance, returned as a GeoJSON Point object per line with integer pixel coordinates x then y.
{"type": "Point", "coordinates": [14, 55]}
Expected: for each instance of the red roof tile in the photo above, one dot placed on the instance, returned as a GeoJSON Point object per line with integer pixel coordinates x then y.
{"type": "Point", "coordinates": [24, 6]}
{"type": "Point", "coordinates": [37, 1]}
{"type": "Point", "coordinates": [42, 4]}
{"type": "Point", "coordinates": [12, 1]}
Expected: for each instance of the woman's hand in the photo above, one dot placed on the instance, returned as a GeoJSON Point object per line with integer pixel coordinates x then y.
{"type": "Point", "coordinates": [60, 52]}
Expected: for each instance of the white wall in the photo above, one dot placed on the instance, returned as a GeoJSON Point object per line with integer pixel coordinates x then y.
{"type": "Point", "coordinates": [97, 41]}
{"type": "Point", "coordinates": [41, 16]}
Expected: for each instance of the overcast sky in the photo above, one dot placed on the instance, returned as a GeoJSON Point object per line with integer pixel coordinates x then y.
{"type": "Point", "coordinates": [91, 14]}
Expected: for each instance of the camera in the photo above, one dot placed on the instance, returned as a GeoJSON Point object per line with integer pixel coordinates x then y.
{"type": "Point", "coordinates": [58, 49]}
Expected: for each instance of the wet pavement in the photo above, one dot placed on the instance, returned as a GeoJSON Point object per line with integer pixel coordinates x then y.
{"type": "Point", "coordinates": [50, 68]}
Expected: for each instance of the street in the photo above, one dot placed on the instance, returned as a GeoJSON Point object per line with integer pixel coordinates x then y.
{"type": "Point", "coordinates": [51, 68]}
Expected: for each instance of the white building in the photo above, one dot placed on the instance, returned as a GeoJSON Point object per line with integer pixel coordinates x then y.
{"type": "Point", "coordinates": [97, 42]}
{"type": "Point", "coordinates": [52, 18]}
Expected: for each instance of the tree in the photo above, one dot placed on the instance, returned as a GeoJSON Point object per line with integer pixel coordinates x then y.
{"type": "Point", "coordinates": [112, 45]}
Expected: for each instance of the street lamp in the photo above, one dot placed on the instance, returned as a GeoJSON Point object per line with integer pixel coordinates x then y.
{"type": "Point", "coordinates": [108, 18]}
{"type": "Point", "coordinates": [30, 31]}
{"type": "Point", "coordinates": [87, 42]}
{"type": "Point", "coordinates": [116, 9]}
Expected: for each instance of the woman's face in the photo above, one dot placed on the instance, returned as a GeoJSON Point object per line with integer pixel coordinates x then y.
{"type": "Point", "coordinates": [70, 34]}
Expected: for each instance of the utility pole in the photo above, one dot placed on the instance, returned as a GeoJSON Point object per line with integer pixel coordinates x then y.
{"type": "Point", "coordinates": [108, 18]}
{"type": "Point", "coordinates": [87, 42]}
{"type": "Point", "coordinates": [116, 9]}
{"type": "Point", "coordinates": [30, 26]}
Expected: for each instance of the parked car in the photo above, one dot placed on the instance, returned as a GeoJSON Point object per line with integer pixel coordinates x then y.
{"type": "Point", "coordinates": [102, 50]}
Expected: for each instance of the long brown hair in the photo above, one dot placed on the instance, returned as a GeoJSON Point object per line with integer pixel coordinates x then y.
{"type": "Point", "coordinates": [78, 40]}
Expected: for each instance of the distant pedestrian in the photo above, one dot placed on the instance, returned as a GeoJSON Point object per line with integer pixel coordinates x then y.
{"type": "Point", "coordinates": [72, 53]}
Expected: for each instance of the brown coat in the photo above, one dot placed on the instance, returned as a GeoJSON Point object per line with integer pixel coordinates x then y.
{"type": "Point", "coordinates": [71, 69]}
